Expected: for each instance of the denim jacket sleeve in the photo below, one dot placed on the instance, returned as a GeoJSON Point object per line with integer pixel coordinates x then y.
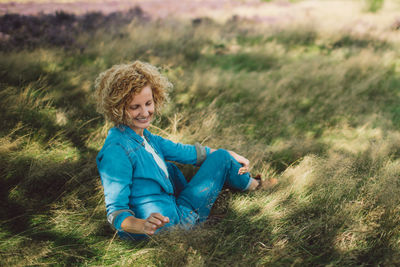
{"type": "Point", "coordinates": [182, 153]}
{"type": "Point", "coordinates": [115, 170]}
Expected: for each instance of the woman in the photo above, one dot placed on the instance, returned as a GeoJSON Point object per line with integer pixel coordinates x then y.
{"type": "Point", "coordinates": [143, 192]}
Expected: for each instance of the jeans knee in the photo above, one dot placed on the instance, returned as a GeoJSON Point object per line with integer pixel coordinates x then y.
{"type": "Point", "coordinates": [221, 155]}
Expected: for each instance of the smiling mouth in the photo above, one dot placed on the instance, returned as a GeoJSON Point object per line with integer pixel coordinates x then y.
{"type": "Point", "coordinates": [143, 119]}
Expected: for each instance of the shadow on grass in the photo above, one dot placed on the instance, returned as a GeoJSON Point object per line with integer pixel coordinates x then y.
{"type": "Point", "coordinates": [34, 173]}
{"type": "Point", "coordinates": [334, 216]}
{"type": "Point", "coordinates": [35, 100]}
{"type": "Point", "coordinates": [27, 196]}
{"type": "Point", "coordinates": [30, 184]}
{"type": "Point", "coordinates": [242, 61]}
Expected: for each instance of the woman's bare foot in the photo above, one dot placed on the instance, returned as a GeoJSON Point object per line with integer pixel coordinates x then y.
{"type": "Point", "coordinates": [254, 184]}
{"type": "Point", "coordinates": [258, 183]}
{"type": "Point", "coordinates": [269, 183]}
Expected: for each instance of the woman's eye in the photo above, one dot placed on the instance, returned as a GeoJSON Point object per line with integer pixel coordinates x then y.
{"type": "Point", "coordinates": [133, 107]}
{"type": "Point", "coordinates": [149, 103]}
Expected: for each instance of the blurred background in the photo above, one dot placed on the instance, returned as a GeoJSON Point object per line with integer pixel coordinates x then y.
{"type": "Point", "coordinates": [307, 90]}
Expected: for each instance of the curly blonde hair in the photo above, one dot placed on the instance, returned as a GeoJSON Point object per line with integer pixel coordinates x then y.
{"type": "Point", "coordinates": [116, 87]}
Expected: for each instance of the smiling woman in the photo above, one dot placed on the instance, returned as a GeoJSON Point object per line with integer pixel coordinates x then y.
{"type": "Point", "coordinates": [144, 191]}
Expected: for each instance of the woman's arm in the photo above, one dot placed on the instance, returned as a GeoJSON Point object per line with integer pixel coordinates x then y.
{"type": "Point", "coordinates": [178, 152]}
{"type": "Point", "coordinates": [116, 174]}
{"type": "Point", "coordinates": [188, 154]}
{"type": "Point", "coordinates": [116, 170]}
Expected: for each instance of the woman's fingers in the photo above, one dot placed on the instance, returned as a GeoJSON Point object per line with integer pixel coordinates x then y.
{"type": "Point", "coordinates": [245, 162]}
{"type": "Point", "coordinates": [241, 160]}
{"type": "Point", "coordinates": [245, 165]}
{"type": "Point", "coordinates": [243, 170]}
{"type": "Point", "coordinates": [153, 222]}
{"type": "Point", "coordinates": [149, 228]}
{"type": "Point", "coordinates": [161, 218]}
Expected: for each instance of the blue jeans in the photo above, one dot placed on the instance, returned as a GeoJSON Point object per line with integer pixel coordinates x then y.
{"type": "Point", "coordinates": [201, 192]}
{"type": "Point", "coordinates": [194, 199]}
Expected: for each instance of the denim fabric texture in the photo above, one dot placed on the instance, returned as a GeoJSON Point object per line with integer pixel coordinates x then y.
{"type": "Point", "coordinates": [134, 185]}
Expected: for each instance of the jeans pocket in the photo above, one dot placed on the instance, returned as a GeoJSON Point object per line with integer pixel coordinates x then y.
{"type": "Point", "coordinates": [188, 217]}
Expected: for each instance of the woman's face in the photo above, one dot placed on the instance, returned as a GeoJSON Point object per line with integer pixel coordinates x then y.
{"type": "Point", "coordinates": [141, 109]}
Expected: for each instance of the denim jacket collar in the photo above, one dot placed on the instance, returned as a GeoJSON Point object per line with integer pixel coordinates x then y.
{"type": "Point", "coordinates": [134, 135]}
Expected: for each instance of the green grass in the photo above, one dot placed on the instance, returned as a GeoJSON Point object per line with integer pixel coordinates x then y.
{"type": "Point", "coordinates": [374, 5]}
{"type": "Point", "coordinates": [317, 111]}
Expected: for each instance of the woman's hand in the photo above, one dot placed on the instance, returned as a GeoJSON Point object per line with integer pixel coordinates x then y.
{"type": "Point", "coordinates": [242, 160]}
{"type": "Point", "coordinates": [153, 222]}
{"type": "Point", "coordinates": [149, 226]}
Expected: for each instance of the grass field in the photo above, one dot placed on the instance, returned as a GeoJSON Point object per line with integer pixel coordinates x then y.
{"type": "Point", "coordinates": [316, 109]}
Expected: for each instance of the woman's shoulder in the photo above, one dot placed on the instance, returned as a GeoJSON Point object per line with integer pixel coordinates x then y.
{"type": "Point", "coordinates": [115, 136]}
{"type": "Point", "coordinates": [120, 137]}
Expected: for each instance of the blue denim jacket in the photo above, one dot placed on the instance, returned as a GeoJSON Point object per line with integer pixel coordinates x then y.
{"type": "Point", "coordinates": [134, 185]}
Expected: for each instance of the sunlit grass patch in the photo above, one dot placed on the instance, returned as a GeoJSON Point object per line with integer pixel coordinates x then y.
{"type": "Point", "coordinates": [352, 140]}
{"type": "Point", "coordinates": [344, 187]}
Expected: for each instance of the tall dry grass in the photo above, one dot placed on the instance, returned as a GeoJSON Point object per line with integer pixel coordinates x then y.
{"type": "Point", "coordinates": [317, 110]}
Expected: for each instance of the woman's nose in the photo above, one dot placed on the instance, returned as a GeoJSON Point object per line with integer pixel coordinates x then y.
{"type": "Point", "coordinates": [145, 112]}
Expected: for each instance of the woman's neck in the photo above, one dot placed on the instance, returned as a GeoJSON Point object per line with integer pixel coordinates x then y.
{"type": "Point", "coordinates": [139, 131]}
